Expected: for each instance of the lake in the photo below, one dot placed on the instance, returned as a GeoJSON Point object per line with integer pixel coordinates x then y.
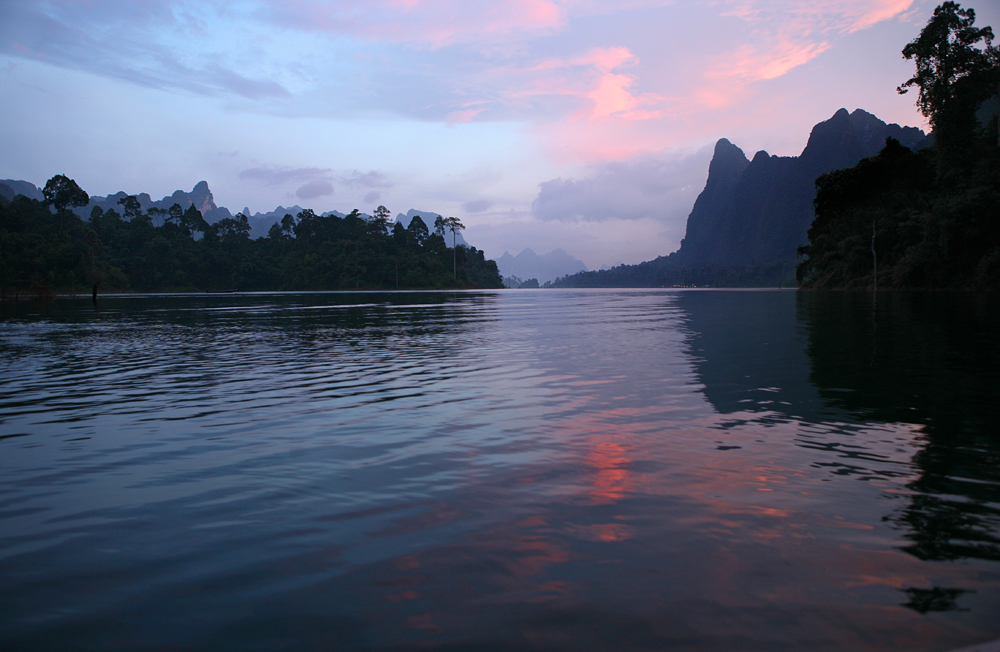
{"type": "Point", "coordinates": [510, 470]}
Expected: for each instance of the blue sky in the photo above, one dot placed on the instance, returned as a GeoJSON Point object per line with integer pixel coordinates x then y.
{"type": "Point", "coordinates": [580, 124]}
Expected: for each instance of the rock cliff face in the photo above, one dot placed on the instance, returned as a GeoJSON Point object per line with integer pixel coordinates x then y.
{"type": "Point", "coordinates": [10, 188]}
{"type": "Point", "coordinates": [200, 197]}
{"type": "Point", "coordinates": [758, 212]}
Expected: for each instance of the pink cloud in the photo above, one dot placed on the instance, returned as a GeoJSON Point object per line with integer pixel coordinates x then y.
{"type": "Point", "coordinates": [591, 76]}
{"type": "Point", "coordinates": [604, 59]}
{"type": "Point", "coordinates": [803, 16]}
{"type": "Point", "coordinates": [462, 115]}
{"type": "Point", "coordinates": [793, 32]}
{"type": "Point", "coordinates": [611, 96]}
{"type": "Point", "coordinates": [23, 49]}
{"type": "Point", "coordinates": [431, 23]}
{"type": "Point", "coordinates": [642, 114]}
{"type": "Point", "coordinates": [605, 89]}
{"type": "Point", "coordinates": [749, 64]}
{"type": "Point", "coordinates": [439, 23]}
{"type": "Point", "coordinates": [852, 15]}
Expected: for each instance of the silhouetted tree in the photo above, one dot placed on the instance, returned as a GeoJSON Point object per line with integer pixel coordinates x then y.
{"type": "Point", "coordinates": [953, 74]}
{"type": "Point", "coordinates": [378, 224]}
{"type": "Point", "coordinates": [157, 215]}
{"type": "Point", "coordinates": [418, 230]}
{"type": "Point", "coordinates": [454, 225]}
{"type": "Point", "coordinates": [131, 206]}
{"type": "Point", "coordinates": [61, 192]}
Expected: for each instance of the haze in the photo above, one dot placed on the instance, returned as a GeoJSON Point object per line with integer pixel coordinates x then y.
{"type": "Point", "coordinates": [586, 125]}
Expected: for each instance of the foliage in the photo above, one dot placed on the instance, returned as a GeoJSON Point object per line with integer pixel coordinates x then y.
{"type": "Point", "coordinates": [62, 192]}
{"type": "Point", "coordinates": [925, 219]}
{"type": "Point", "coordinates": [665, 272]}
{"type": "Point", "coordinates": [176, 250]}
{"type": "Point", "coordinates": [454, 225]}
{"type": "Point", "coordinates": [930, 231]}
{"type": "Point", "coordinates": [954, 76]}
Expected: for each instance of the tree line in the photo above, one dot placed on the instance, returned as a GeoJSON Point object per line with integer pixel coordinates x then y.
{"type": "Point", "coordinates": [928, 218]}
{"type": "Point", "coordinates": [46, 248]}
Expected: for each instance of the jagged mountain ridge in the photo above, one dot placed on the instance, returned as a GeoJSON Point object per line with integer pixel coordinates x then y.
{"type": "Point", "coordinates": [748, 222]}
{"type": "Point", "coordinates": [201, 198]}
{"type": "Point", "coordinates": [758, 212]}
{"type": "Point", "coordinates": [10, 188]}
{"type": "Point", "coordinates": [546, 267]}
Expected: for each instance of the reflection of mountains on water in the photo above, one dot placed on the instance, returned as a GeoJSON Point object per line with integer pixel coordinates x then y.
{"type": "Point", "coordinates": [749, 353]}
{"type": "Point", "coordinates": [844, 363]}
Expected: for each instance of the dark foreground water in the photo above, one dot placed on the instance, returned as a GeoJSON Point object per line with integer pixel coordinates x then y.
{"type": "Point", "coordinates": [520, 470]}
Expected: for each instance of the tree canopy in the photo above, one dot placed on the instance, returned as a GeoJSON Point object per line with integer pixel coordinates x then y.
{"type": "Point", "coordinates": [957, 68]}
{"type": "Point", "coordinates": [62, 192]}
{"type": "Point", "coordinates": [930, 218]}
{"type": "Point", "coordinates": [177, 250]}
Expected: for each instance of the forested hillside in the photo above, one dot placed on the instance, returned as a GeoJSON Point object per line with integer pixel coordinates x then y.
{"type": "Point", "coordinates": [747, 223]}
{"type": "Point", "coordinates": [46, 248]}
{"type": "Point", "coordinates": [926, 219]}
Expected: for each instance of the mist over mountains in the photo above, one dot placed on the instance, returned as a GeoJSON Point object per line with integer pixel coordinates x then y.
{"type": "Point", "coordinates": [10, 188]}
{"type": "Point", "coordinates": [546, 267]}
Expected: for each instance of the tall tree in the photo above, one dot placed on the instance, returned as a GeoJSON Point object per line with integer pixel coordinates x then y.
{"type": "Point", "coordinates": [378, 224]}
{"type": "Point", "coordinates": [193, 221]}
{"type": "Point", "coordinates": [157, 215]}
{"type": "Point", "coordinates": [61, 191]}
{"type": "Point", "coordinates": [454, 225]}
{"type": "Point", "coordinates": [418, 230]}
{"type": "Point", "coordinates": [954, 73]}
{"type": "Point", "coordinates": [131, 206]}
{"type": "Point", "coordinates": [174, 214]}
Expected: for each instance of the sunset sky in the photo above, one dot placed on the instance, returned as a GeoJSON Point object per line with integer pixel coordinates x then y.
{"type": "Point", "coordinates": [581, 124]}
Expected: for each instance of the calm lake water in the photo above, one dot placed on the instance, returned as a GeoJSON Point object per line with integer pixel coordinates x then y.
{"type": "Point", "coordinates": [516, 470]}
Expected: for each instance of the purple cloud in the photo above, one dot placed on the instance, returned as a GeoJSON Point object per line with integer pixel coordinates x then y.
{"type": "Point", "coordinates": [276, 175]}
{"type": "Point", "coordinates": [314, 189]}
{"type": "Point", "coordinates": [370, 179]}
{"type": "Point", "coordinates": [662, 188]}
{"type": "Point", "coordinates": [130, 41]}
{"type": "Point", "coordinates": [477, 206]}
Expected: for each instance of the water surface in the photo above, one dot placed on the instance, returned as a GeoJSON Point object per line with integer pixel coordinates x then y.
{"type": "Point", "coordinates": [550, 470]}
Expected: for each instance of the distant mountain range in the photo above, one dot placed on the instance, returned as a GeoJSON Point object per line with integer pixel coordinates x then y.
{"type": "Point", "coordinates": [10, 188]}
{"type": "Point", "coordinates": [752, 215]}
{"type": "Point", "coordinates": [547, 267]}
{"type": "Point", "coordinates": [201, 198]}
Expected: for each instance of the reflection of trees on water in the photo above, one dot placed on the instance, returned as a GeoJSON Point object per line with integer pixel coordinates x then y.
{"type": "Point", "coordinates": [371, 314]}
{"type": "Point", "coordinates": [254, 349]}
{"type": "Point", "coordinates": [838, 361]}
{"type": "Point", "coordinates": [931, 360]}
